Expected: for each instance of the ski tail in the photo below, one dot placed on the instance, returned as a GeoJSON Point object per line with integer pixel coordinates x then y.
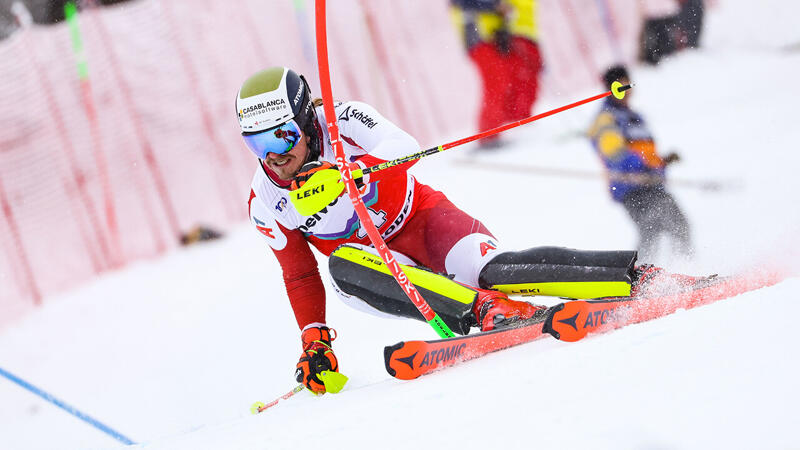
{"type": "Point", "coordinates": [410, 359]}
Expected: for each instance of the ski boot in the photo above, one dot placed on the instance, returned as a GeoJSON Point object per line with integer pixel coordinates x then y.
{"type": "Point", "coordinates": [493, 309]}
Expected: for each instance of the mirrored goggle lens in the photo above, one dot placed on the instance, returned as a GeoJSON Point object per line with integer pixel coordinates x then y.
{"type": "Point", "coordinates": [277, 140]}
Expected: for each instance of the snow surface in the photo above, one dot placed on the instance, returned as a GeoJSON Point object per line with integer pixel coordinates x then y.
{"type": "Point", "coordinates": [172, 352]}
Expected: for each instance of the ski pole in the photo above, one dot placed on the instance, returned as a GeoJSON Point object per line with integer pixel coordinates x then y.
{"type": "Point", "coordinates": [334, 383]}
{"type": "Point", "coordinates": [325, 186]}
{"type": "Point", "coordinates": [261, 406]}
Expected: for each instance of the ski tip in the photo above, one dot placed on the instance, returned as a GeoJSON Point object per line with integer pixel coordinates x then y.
{"type": "Point", "coordinates": [334, 381]}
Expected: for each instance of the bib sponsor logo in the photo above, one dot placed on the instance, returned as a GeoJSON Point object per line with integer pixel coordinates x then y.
{"type": "Point", "coordinates": [400, 217]}
{"type": "Point", "coordinates": [314, 219]}
{"type": "Point", "coordinates": [378, 219]}
{"type": "Point", "coordinates": [487, 246]}
{"type": "Point", "coordinates": [260, 226]}
{"type": "Point", "coordinates": [353, 113]}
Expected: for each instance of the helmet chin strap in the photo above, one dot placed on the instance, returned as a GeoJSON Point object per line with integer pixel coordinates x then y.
{"type": "Point", "coordinates": [314, 143]}
{"type": "Point", "coordinates": [311, 128]}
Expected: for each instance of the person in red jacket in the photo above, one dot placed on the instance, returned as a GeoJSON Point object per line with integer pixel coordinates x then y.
{"type": "Point", "coordinates": [455, 262]}
{"type": "Point", "coordinates": [501, 39]}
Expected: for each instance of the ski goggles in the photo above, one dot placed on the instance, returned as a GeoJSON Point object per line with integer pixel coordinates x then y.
{"type": "Point", "coordinates": [278, 140]}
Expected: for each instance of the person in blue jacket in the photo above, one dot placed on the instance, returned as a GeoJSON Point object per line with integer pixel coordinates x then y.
{"type": "Point", "coordinates": [636, 172]}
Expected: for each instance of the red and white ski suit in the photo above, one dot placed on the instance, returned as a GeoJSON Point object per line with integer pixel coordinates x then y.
{"type": "Point", "coordinates": [414, 219]}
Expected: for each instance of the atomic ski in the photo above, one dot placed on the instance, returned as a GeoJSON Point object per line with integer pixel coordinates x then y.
{"type": "Point", "coordinates": [409, 359]}
{"type": "Point", "coordinates": [569, 321]}
{"type": "Point", "coordinates": [572, 321]}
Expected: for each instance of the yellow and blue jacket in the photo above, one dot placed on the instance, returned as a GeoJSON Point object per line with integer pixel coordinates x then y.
{"type": "Point", "coordinates": [621, 138]}
{"type": "Point", "coordinates": [479, 20]}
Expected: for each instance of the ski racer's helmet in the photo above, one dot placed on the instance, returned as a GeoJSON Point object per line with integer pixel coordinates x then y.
{"type": "Point", "coordinates": [274, 106]}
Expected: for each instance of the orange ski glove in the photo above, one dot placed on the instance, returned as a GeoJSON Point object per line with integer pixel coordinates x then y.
{"type": "Point", "coordinates": [317, 357]}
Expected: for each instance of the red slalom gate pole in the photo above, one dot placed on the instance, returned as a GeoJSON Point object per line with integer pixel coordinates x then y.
{"type": "Point", "coordinates": [115, 244]}
{"type": "Point", "coordinates": [19, 246]}
{"type": "Point", "coordinates": [617, 90]}
{"type": "Point", "coordinates": [429, 314]}
{"type": "Point", "coordinates": [113, 252]}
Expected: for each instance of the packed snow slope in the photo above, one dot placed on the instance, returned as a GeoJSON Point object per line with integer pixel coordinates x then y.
{"type": "Point", "coordinates": [172, 352]}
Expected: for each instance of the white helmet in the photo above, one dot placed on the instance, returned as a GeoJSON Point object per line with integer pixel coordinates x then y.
{"type": "Point", "coordinates": [274, 107]}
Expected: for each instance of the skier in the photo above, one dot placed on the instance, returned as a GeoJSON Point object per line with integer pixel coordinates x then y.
{"type": "Point", "coordinates": [636, 172]}
{"type": "Point", "coordinates": [453, 259]}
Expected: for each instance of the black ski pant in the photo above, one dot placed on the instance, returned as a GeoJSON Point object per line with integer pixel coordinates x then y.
{"type": "Point", "coordinates": [655, 213]}
{"type": "Point", "coordinates": [553, 271]}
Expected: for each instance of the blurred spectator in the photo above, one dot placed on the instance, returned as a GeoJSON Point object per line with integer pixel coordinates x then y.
{"type": "Point", "coordinates": [8, 23]}
{"type": "Point", "coordinates": [200, 233]}
{"type": "Point", "coordinates": [43, 12]}
{"type": "Point", "coordinates": [500, 37]}
{"type": "Point", "coordinates": [636, 173]}
{"type": "Point", "coordinates": [691, 21]}
{"type": "Point", "coordinates": [664, 34]}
